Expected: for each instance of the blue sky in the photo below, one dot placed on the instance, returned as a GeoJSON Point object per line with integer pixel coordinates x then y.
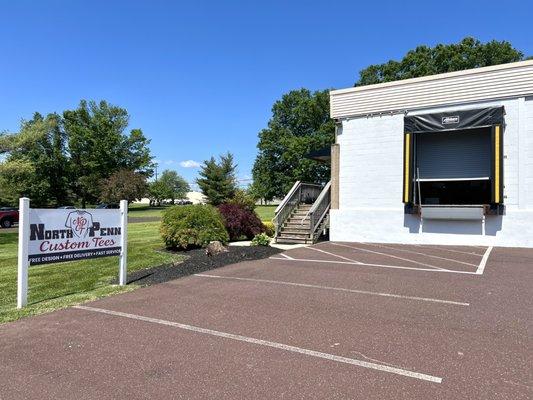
{"type": "Point", "coordinates": [200, 77]}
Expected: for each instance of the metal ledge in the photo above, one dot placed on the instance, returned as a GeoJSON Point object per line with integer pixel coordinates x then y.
{"type": "Point", "coordinates": [459, 213]}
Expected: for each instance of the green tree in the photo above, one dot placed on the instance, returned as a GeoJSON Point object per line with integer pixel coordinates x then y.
{"type": "Point", "coordinates": [99, 147]}
{"type": "Point", "coordinates": [300, 124]}
{"type": "Point", "coordinates": [217, 179]}
{"type": "Point", "coordinates": [175, 186]}
{"type": "Point", "coordinates": [36, 163]}
{"type": "Point", "coordinates": [123, 185]}
{"type": "Point", "coordinates": [468, 53]}
{"type": "Point", "coordinates": [157, 192]}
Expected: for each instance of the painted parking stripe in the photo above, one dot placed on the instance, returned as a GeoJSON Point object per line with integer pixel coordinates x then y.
{"type": "Point", "coordinates": [387, 255]}
{"type": "Point", "coordinates": [286, 256]}
{"type": "Point", "coordinates": [275, 345]}
{"type": "Point", "coordinates": [305, 285]}
{"type": "Point", "coordinates": [422, 254]}
{"type": "Point", "coordinates": [334, 255]}
{"type": "Point", "coordinates": [483, 263]}
{"type": "Point", "coordinates": [357, 264]}
{"type": "Point", "coordinates": [447, 249]}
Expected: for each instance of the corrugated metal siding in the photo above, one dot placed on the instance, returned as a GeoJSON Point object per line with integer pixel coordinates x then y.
{"type": "Point", "coordinates": [482, 84]}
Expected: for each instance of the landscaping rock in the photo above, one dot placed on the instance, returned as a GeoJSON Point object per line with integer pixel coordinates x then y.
{"type": "Point", "coordinates": [215, 248]}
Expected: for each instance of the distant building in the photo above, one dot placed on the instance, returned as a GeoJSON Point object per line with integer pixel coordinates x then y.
{"type": "Point", "coordinates": [193, 197]}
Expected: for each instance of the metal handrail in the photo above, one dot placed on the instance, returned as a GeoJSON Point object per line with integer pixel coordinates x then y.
{"type": "Point", "coordinates": [300, 192]}
{"type": "Point", "coordinates": [287, 197]}
{"type": "Point", "coordinates": [319, 209]}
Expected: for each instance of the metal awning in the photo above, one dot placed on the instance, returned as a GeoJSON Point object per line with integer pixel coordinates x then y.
{"type": "Point", "coordinates": [454, 120]}
{"type": "Point", "coordinates": [322, 155]}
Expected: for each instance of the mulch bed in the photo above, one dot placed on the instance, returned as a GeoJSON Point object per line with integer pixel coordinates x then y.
{"type": "Point", "coordinates": [198, 261]}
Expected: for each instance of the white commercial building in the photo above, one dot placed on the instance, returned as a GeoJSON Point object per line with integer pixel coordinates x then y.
{"type": "Point", "coordinates": [443, 159]}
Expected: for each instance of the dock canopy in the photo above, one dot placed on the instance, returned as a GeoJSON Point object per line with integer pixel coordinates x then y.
{"type": "Point", "coordinates": [456, 120]}
{"type": "Point", "coordinates": [322, 155]}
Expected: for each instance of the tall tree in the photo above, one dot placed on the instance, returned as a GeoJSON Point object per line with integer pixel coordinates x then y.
{"type": "Point", "coordinates": [217, 179]}
{"type": "Point", "coordinates": [99, 147]}
{"type": "Point", "coordinates": [123, 185]}
{"type": "Point", "coordinates": [300, 124]}
{"type": "Point", "coordinates": [175, 186]}
{"type": "Point", "coordinates": [423, 60]}
{"type": "Point", "coordinates": [36, 163]}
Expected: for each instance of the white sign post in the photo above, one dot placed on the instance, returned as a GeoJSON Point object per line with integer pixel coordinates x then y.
{"type": "Point", "coordinates": [123, 269]}
{"type": "Point", "coordinates": [24, 229]}
{"type": "Point", "coordinates": [57, 235]}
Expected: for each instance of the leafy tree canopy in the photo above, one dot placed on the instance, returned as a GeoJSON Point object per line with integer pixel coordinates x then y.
{"type": "Point", "coordinates": [36, 164]}
{"type": "Point", "coordinates": [123, 185]}
{"type": "Point", "coordinates": [99, 147]}
{"type": "Point", "coordinates": [422, 61]}
{"type": "Point", "coordinates": [300, 124]}
{"type": "Point", "coordinates": [217, 179]}
{"type": "Point", "coordinates": [169, 186]}
{"type": "Point", "coordinates": [56, 159]}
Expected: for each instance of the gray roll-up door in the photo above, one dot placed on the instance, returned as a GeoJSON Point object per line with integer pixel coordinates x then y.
{"type": "Point", "coordinates": [464, 154]}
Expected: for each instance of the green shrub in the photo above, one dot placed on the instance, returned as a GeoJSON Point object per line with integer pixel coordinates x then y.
{"type": "Point", "coordinates": [269, 227]}
{"type": "Point", "coordinates": [261, 240]}
{"type": "Point", "coordinates": [184, 227]}
{"type": "Point", "coordinates": [244, 199]}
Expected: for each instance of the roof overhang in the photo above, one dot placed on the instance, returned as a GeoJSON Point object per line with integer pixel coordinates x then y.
{"type": "Point", "coordinates": [462, 87]}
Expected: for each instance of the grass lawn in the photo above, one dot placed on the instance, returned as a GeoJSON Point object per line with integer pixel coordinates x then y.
{"type": "Point", "coordinates": [145, 211]}
{"type": "Point", "coordinates": [266, 213]}
{"type": "Point", "coordinates": [59, 285]}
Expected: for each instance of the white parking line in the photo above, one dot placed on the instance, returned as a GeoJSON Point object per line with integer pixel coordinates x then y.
{"type": "Point", "coordinates": [422, 254]}
{"type": "Point", "coordinates": [286, 256]}
{"type": "Point", "coordinates": [305, 285]}
{"type": "Point", "coordinates": [334, 255]}
{"type": "Point", "coordinates": [358, 264]}
{"type": "Point", "coordinates": [483, 263]}
{"type": "Point", "coordinates": [385, 254]}
{"type": "Point", "coordinates": [447, 249]}
{"type": "Point", "coordinates": [275, 345]}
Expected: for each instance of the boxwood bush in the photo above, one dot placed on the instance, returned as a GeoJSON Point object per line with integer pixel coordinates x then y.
{"type": "Point", "coordinates": [240, 221]}
{"type": "Point", "coordinates": [192, 226]}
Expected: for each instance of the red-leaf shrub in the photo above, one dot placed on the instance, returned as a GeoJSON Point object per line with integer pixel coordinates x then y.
{"type": "Point", "coordinates": [240, 221]}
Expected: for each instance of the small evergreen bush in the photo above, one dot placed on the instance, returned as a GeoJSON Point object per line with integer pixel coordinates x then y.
{"type": "Point", "coordinates": [269, 228]}
{"type": "Point", "coordinates": [185, 227]}
{"type": "Point", "coordinates": [261, 240]}
{"type": "Point", "coordinates": [240, 221]}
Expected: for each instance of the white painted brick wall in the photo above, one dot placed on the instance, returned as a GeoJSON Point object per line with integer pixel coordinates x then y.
{"type": "Point", "coordinates": [528, 164]}
{"type": "Point", "coordinates": [371, 158]}
{"type": "Point", "coordinates": [370, 186]}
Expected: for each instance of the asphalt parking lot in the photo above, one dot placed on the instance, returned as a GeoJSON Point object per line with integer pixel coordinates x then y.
{"type": "Point", "coordinates": [335, 321]}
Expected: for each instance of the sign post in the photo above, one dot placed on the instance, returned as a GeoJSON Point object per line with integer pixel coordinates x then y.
{"type": "Point", "coordinates": [57, 235]}
{"type": "Point", "coordinates": [24, 236]}
{"type": "Point", "coordinates": [123, 267]}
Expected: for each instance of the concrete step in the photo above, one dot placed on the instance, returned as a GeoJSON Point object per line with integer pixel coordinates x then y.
{"type": "Point", "coordinates": [293, 234]}
{"type": "Point", "coordinates": [288, 240]}
{"type": "Point", "coordinates": [297, 225]}
{"type": "Point", "coordinates": [295, 229]}
{"type": "Point", "coordinates": [300, 214]}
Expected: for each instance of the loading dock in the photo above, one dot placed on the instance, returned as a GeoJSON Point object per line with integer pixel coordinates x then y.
{"type": "Point", "coordinates": [444, 159]}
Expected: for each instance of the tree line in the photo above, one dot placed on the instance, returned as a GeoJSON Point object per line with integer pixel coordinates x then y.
{"type": "Point", "coordinates": [82, 156]}
{"type": "Point", "coordinates": [87, 155]}
{"type": "Point", "coordinates": [301, 124]}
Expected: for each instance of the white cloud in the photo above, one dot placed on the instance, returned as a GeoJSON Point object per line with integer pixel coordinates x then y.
{"type": "Point", "coordinates": [189, 164]}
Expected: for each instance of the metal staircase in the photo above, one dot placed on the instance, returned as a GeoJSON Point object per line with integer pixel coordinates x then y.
{"type": "Point", "coordinates": [303, 214]}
